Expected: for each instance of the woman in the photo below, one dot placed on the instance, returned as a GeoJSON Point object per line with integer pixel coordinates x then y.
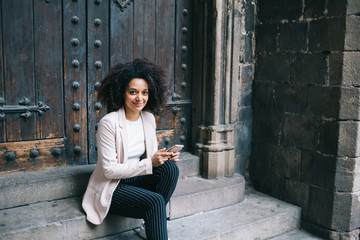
{"type": "Point", "coordinates": [132, 178]}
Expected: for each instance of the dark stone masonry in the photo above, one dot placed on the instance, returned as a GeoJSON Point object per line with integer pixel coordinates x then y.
{"type": "Point", "coordinates": [306, 111]}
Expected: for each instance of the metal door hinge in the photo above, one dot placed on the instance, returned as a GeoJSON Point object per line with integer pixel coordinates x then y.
{"type": "Point", "coordinates": [24, 108]}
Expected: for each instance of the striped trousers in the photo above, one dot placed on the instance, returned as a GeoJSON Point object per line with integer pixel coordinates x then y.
{"type": "Point", "coordinates": [146, 197]}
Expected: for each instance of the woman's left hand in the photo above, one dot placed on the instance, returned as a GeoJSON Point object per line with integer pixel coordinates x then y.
{"type": "Point", "coordinates": [175, 156]}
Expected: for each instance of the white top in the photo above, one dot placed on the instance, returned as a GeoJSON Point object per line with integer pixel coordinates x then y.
{"type": "Point", "coordinates": [136, 139]}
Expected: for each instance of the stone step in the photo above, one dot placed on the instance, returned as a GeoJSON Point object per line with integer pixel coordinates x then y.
{"type": "Point", "coordinates": [59, 219]}
{"type": "Point", "coordinates": [31, 187]}
{"type": "Point", "coordinates": [292, 235]}
{"type": "Point", "coordinates": [197, 194]}
{"type": "Point", "coordinates": [257, 217]}
{"type": "Point", "coordinates": [189, 165]}
{"type": "Point", "coordinates": [296, 235]}
{"type": "Point", "coordinates": [64, 219]}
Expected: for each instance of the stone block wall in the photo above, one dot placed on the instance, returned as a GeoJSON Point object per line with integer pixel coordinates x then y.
{"type": "Point", "coordinates": [245, 37]}
{"type": "Point", "coordinates": [306, 103]}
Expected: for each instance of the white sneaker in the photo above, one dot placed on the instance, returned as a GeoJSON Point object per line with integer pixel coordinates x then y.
{"type": "Point", "coordinates": [142, 232]}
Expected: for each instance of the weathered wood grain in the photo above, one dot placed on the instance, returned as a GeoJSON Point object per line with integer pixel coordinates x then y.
{"type": "Point", "coordinates": [165, 138]}
{"type": "Point", "coordinates": [75, 96]}
{"type": "Point", "coordinates": [165, 120]}
{"type": "Point", "coordinates": [165, 38]}
{"type": "Point", "coordinates": [184, 49]}
{"type": "Point", "coordinates": [48, 67]}
{"type": "Point", "coordinates": [97, 51]}
{"type": "Point", "coordinates": [18, 66]}
{"type": "Point", "coordinates": [24, 161]}
{"type": "Point", "coordinates": [144, 30]}
{"type": "Point", "coordinates": [183, 127]}
{"type": "Point", "coordinates": [121, 34]}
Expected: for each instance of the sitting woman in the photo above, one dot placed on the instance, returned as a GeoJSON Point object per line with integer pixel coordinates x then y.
{"type": "Point", "coordinates": [132, 177]}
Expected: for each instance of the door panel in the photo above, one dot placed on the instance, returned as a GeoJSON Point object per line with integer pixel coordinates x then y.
{"type": "Point", "coordinates": [181, 96]}
{"type": "Point", "coordinates": [183, 60]}
{"type": "Point", "coordinates": [48, 68]}
{"type": "Point", "coordinates": [144, 29]}
{"type": "Point", "coordinates": [121, 34]}
{"type": "Point", "coordinates": [98, 66]}
{"type": "Point", "coordinates": [19, 66]}
{"type": "Point", "coordinates": [75, 85]}
{"type": "Point", "coordinates": [165, 37]}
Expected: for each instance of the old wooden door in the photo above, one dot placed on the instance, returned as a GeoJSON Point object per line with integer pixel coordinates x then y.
{"type": "Point", "coordinates": [53, 55]}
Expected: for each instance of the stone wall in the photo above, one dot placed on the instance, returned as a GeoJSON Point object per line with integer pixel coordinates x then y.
{"type": "Point", "coordinates": [306, 110]}
{"type": "Point", "coordinates": [243, 127]}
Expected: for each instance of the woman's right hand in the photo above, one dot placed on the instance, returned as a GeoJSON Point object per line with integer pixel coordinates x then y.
{"type": "Point", "coordinates": [160, 157]}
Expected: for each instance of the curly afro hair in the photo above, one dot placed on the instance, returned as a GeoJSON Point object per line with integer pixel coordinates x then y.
{"type": "Point", "coordinates": [112, 88]}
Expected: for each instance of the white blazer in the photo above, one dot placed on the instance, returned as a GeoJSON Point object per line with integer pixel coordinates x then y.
{"type": "Point", "coordinates": [112, 163]}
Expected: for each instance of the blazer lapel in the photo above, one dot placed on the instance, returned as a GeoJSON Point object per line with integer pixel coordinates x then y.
{"type": "Point", "coordinates": [122, 133]}
{"type": "Point", "coordinates": [148, 139]}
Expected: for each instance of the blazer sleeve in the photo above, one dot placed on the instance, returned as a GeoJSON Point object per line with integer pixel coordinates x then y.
{"type": "Point", "coordinates": [107, 154]}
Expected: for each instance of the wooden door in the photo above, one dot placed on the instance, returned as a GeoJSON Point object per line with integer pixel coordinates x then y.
{"type": "Point", "coordinates": [53, 55]}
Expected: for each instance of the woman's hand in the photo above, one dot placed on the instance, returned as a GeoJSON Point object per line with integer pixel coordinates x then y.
{"type": "Point", "coordinates": [175, 156]}
{"type": "Point", "coordinates": [160, 157]}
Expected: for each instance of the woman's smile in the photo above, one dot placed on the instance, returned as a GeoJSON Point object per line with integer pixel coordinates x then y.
{"type": "Point", "coordinates": [139, 104]}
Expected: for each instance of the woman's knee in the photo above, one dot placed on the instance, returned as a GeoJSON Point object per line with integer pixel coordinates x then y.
{"type": "Point", "coordinates": [157, 201]}
{"type": "Point", "coordinates": [171, 168]}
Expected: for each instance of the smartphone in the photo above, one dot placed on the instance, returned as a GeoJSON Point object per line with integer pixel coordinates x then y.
{"type": "Point", "coordinates": [175, 148]}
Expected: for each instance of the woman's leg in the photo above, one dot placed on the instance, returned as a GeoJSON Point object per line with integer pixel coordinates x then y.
{"type": "Point", "coordinates": [135, 202]}
{"type": "Point", "coordinates": [138, 197]}
{"type": "Point", "coordinates": [163, 180]}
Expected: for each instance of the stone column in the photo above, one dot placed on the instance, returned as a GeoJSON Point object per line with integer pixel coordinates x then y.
{"type": "Point", "coordinates": [218, 80]}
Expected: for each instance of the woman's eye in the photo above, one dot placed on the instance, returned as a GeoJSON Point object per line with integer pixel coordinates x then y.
{"type": "Point", "coordinates": [145, 93]}
{"type": "Point", "coordinates": [132, 92]}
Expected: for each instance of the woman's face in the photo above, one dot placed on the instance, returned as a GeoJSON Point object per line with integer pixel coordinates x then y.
{"type": "Point", "coordinates": [136, 96]}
